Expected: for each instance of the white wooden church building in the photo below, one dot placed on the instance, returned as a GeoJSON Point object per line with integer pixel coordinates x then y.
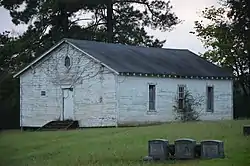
{"type": "Point", "coordinates": [101, 84]}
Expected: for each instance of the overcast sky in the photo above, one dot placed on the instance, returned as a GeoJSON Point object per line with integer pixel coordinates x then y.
{"type": "Point", "coordinates": [186, 10]}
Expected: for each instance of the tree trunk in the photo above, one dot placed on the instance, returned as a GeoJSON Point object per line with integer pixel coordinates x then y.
{"type": "Point", "coordinates": [248, 75]}
{"type": "Point", "coordinates": [110, 20]}
{"type": "Point", "coordinates": [64, 19]}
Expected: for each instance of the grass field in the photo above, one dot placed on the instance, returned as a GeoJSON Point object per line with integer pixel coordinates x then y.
{"type": "Point", "coordinates": [119, 146]}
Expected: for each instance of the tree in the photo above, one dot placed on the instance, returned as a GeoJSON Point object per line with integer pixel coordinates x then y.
{"type": "Point", "coordinates": [9, 101]}
{"type": "Point", "coordinates": [51, 20]}
{"type": "Point", "coordinates": [59, 13]}
{"type": "Point", "coordinates": [188, 110]}
{"type": "Point", "coordinates": [226, 43]}
{"type": "Point", "coordinates": [240, 14]}
{"type": "Point", "coordinates": [227, 38]}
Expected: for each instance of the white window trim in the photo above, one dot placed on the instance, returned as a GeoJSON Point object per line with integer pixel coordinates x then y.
{"type": "Point", "coordinates": [148, 110]}
{"type": "Point", "coordinates": [178, 93]}
{"type": "Point", "coordinates": [209, 110]}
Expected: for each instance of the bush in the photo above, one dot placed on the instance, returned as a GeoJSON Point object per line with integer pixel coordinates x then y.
{"type": "Point", "coordinates": [189, 111]}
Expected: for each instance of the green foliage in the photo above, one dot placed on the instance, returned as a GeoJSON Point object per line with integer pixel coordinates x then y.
{"type": "Point", "coordinates": [51, 20]}
{"type": "Point", "coordinates": [227, 37]}
{"type": "Point", "coordinates": [119, 146]}
{"type": "Point", "coordinates": [9, 101]}
{"type": "Point", "coordinates": [189, 111]}
{"type": "Point", "coordinates": [241, 103]}
{"type": "Point", "coordinates": [60, 17]}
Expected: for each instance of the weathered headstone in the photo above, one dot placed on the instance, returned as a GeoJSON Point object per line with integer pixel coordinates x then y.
{"type": "Point", "coordinates": [212, 149]}
{"type": "Point", "coordinates": [246, 130]}
{"type": "Point", "coordinates": [157, 149]}
{"type": "Point", "coordinates": [185, 148]}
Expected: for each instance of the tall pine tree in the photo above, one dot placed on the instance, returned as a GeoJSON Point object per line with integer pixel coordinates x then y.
{"type": "Point", "coordinates": [51, 20]}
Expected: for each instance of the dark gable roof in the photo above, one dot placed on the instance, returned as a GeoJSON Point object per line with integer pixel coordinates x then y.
{"type": "Point", "coordinates": [135, 59]}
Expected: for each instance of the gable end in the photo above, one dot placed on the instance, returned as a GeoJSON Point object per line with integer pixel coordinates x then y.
{"type": "Point", "coordinates": [52, 49]}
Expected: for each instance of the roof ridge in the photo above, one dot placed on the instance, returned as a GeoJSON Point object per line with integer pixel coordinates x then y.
{"type": "Point", "coordinates": [179, 49]}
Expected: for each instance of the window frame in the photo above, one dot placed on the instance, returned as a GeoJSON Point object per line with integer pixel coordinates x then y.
{"type": "Point", "coordinates": [183, 95]}
{"type": "Point", "coordinates": [208, 98]}
{"type": "Point", "coordinates": [43, 93]}
{"type": "Point", "coordinates": [150, 108]}
{"type": "Point", "coordinates": [70, 61]}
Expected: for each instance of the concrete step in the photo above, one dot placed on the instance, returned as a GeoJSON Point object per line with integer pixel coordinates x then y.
{"type": "Point", "coordinates": [59, 125]}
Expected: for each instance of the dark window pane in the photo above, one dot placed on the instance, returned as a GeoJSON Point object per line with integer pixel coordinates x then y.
{"type": "Point", "coordinates": [181, 103]}
{"type": "Point", "coordinates": [43, 93]}
{"type": "Point", "coordinates": [151, 97]}
{"type": "Point", "coordinates": [67, 61]}
{"type": "Point", "coordinates": [181, 89]}
{"type": "Point", "coordinates": [181, 95]}
{"type": "Point", "coordinates": [210, 99]}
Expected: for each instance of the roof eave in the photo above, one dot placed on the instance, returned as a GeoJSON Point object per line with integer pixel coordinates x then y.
{"type": "Point", "coordinates": [161, 75]}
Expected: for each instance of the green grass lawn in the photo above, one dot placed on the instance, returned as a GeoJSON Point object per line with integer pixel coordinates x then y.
{"type": "Point", "coordinates": [119, 146]}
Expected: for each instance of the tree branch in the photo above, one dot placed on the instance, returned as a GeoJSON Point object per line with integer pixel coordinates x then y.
{"type": "Point", "coordinates": [142, 3]}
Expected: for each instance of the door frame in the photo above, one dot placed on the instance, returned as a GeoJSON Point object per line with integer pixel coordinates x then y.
{"type": "Point", "coordinates": [63, 87]}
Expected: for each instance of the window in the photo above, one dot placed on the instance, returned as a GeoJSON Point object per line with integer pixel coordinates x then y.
{"type": "Point", "coordinates": [181, 96]}
{"type": "Point", "coordinates": [210, 99]}
{"type": "Point", "coordinates": [67, 62]}
{"type": "Point", "coordinates": [151, 97]}
{"type": "Point", "coordinates": [43, 93]}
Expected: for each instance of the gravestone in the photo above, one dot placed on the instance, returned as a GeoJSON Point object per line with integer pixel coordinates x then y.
{"type": "Point", "coordinates": [158, 149]}
{"type": "Point", "coordinates": [246, 130]}
{"type": "Point", "coordinates": [212, 149]}
{"type": "Point", "coordinates": [185, 148]}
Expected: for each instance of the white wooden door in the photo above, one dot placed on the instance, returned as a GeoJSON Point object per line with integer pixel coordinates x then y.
{"type": "Point", "coordinates": [68, 112]}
